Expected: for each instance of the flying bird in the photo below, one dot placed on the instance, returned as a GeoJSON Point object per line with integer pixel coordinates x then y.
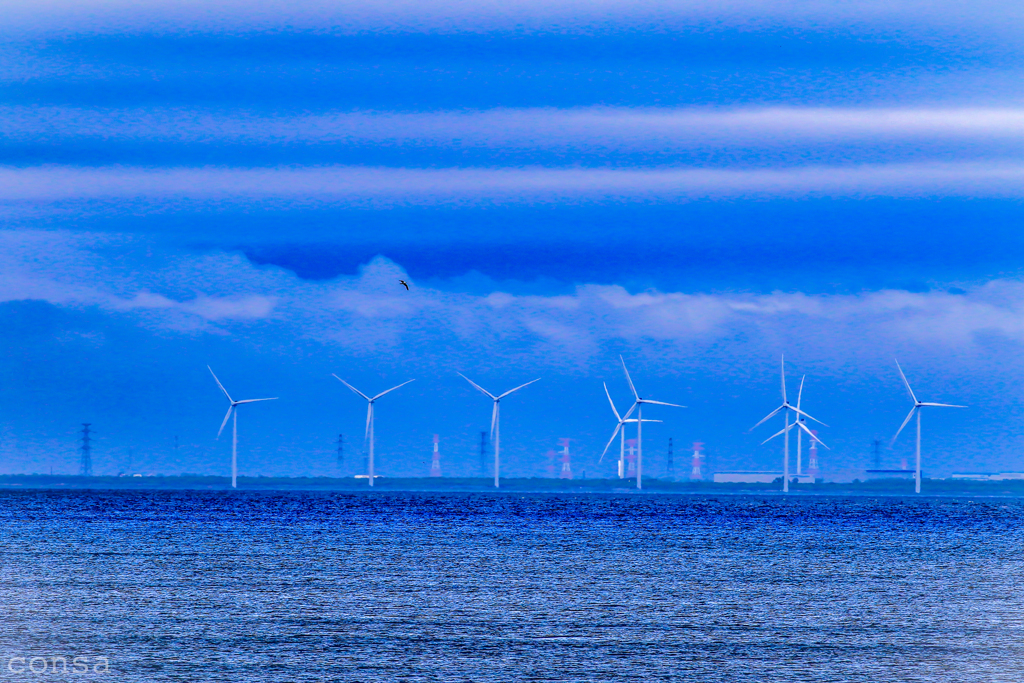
{"type": "Point", "coordinates": [406, 284]}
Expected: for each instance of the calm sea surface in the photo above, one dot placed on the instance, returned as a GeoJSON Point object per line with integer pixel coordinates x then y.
{"type": "Point", "coordinates": [216, 586]}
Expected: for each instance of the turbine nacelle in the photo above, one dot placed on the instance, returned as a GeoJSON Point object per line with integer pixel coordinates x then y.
{"type": "Point", "coordinates": [234, 404]}
{"type": "Point", "coordinates": [917, 404]}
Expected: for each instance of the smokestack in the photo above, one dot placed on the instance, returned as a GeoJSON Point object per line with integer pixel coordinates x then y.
{"type": "Point", "coordinates": [435, 463]}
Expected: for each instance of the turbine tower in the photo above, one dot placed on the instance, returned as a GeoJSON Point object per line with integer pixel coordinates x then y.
{"type": "Point", "coordinates": [639, 405]}
{"type": "Point", "coordinates": [369, 415]}
{"type": "Point", "coordinates": [917, 409]}
{"type": "Point", "coordinates": [786, 408]}
{"type": "Point", "coordinates": [620, 430]}
{"type": "Point", "coordinates": [233, 413]}
{"type": "Point", "coordinates": [496, 419]}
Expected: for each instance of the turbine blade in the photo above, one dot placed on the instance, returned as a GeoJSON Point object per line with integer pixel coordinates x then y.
{"type": "Point", "coordinates": [369, 419]}
{"type": "Point", "coordinates": [906, 383]}
{"type": "Point", "coordinates": [783, 366]}
{"type": "Point", "coordinates": [661, 403]}
{"type": "Point", "coordinates": [494, 417]}
{"type": "Point", "coordinates": [391, 389]}
{"type": "Point", "coordinates": [940, 405]}
{"type": "Point", "coordinates": [227, 416]}
{"type": "Point", "coordinates": [811, 434]}
{"type": "Point", "coordinates": [634, 420]}
{"type": "Point", "coordinates": [612, 403]}
{"type": "Point", "coordinates": [478, 387]}
{"type": "Point", "coordinates": [630, 411]}
{"type": "Point", "coordinates": [778, 433]}
{"type": "Point", "coordinates": [909, 415]}
{"type": "Point", "coordinates": [518, 388]}
{"type": "Point", "coordinates": [629, 379]}
{"type": "Point", "coordinates": [608, 445]}
{"type": "Point", "coordinates": [254, 400]}
{"type": "Point", "coordinates": [219, 384]}
{"type": "Point", "coordinates": [350, 386]}
{"type": "Point", "coordinates": [800, 412]}
{"type": "Point", "coordinates": [767, 417]}
{"type": "Point", "coordinates": [800, 393]}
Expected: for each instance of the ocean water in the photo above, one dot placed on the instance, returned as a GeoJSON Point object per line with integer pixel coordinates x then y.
{"type": "Point", "coordinates": [313, 586]}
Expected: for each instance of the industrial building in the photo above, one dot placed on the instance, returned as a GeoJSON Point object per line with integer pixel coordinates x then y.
{"type": "Point", "coordinates": [749, 477]}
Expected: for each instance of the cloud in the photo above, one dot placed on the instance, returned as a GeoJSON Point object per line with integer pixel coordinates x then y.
{"type": "Point", "coordinates": [615, 127]}
{"type": "Point", "coordinates": [361, 313]}
{"type": "Point", "coordinates": [451, 15]}
{"type": "Point", "coordinates": [77, 271]}
{"type": "Point", "coordinates": [382, 186]}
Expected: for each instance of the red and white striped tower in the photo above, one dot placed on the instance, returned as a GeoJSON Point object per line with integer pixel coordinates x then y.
{"type": "Point", "coordinates": [630, 458]}
{"type": "Point", "coordinates": [695, 473]}
{"type": "Point", "coordinates": [435, 463]}
{"type": "Point", "coordinates": [812, 454]}
{"type": "Point", "coordinates": [566, 472]}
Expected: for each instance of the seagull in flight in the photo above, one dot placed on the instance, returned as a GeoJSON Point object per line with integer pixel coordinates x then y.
{"type": "Point", "coordinates": [403, 282]}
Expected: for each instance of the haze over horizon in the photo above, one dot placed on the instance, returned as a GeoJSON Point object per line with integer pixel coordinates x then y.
{"type": "Point", "coordinates": [186, 184]}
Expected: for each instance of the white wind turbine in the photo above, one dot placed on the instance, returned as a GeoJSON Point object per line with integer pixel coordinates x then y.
{"type": "Point", "coordinates": [917, 409]}
{"type": "Point", "coordinates": [638, 403]}
{"type": "Point", "coordinates": [369, 415]}
{"type": "Point", "coordinates": [620, 430]}
{"type": "Point", "coordinates": [799, 423]}
{"type": "Point", "coordinates": [786, 407]}
{"type": "Point", "coordinates": [233, 412]}
{"type": "Point", "coordinates": [496, 419]}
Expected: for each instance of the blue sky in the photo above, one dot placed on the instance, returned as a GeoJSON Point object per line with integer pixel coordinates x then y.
{"type": "Point", "coordinates": [699, 191]}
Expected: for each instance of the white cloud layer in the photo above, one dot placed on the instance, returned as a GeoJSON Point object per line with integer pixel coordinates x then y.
{"type": "Point", "coordinates": [606, 127]}
{"type": "Point", "coordinates": [448, 15]}
{"type": "Point", "coordinates": [367, 313]}
{"type": "Point", "coordinates": [383, 186]}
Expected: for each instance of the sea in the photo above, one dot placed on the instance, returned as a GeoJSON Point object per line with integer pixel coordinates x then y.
{"type": "Point", "coordinates": [249, 586]}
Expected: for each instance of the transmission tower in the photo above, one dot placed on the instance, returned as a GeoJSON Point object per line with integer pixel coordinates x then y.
{"type": "Point", "coordinates": [671, 465]}
{"type": "Point", "coordinates": [877, 444]}
{"type": "Point", "coordinates": [86, 449]}
{"type": "Point", "coordinates": [341, 449]}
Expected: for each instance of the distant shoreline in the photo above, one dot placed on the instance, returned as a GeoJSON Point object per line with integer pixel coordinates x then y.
{"type": "Point", "coordinates": [897, 487]}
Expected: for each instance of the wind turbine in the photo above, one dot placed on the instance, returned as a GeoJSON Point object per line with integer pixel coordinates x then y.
{"type": "Point", "coordinates": [917, 409]}
{"type": "Point", "coordinates": [496, 419]}
{"type": "Point", "coordinates": [799, 433]}
{"type": "Point", "coordinates": [620, 430]}
{"type": "Point", "coordinates": [233, 412]}
{"type": "Point", "coordinates": [786, 407]}
{"type": "Point", "coordinates": [369, 414]}
{"type": "Point", "coordinates": [638, 403]}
